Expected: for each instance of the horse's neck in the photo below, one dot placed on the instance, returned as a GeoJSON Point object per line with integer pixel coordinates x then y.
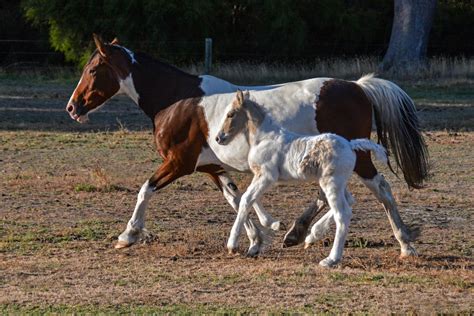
{"type": "Point", "coordinates": [158, 86]}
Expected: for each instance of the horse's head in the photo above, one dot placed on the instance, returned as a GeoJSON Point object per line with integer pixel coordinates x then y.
{"type": "Point", "coordinates": [108, 66]}
{"type": "Point", "coordinates": [236, 119]}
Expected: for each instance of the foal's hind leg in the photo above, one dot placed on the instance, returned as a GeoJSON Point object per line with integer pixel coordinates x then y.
{"type": "Point", "coordinates": [321, 227]}
{"type": "Point", "coordinates": [381, 189]}
{"type": "Point", "coordinates": [342, 213]}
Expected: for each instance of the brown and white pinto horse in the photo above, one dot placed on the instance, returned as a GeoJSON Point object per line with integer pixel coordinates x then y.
{"type": "Point", "coordinates": [187, 110]}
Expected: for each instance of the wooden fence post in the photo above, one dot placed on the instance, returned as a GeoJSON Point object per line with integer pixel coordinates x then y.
{"type": "Point", "coordinates": [208, 56]}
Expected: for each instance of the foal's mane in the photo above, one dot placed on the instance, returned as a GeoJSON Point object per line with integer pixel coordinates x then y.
{"type": "Point", "coordinates": [256, 113]}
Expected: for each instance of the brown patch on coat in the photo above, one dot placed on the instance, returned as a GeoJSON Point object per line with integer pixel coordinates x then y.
{"type": "Point", "coordinates": [344, 109]}
{"type": "Point", "coordinates": [180, 135]}
{"type": "Point", "coordinates": [321, 153]}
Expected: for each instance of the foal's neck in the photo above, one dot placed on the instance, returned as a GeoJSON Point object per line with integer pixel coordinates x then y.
{"type": "Point", "coordinates": [256, 116]}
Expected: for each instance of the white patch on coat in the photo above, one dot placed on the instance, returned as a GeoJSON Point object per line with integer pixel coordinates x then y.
{"type": "Point", "coordinates": [291, 105]}
{"type": "Point", "coordinates": [127, 87]}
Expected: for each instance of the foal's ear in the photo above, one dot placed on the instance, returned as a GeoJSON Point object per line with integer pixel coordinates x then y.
{"type": "Point", "coordinates": [240, 97]}
{"type": "Point", "coordinates": [115, 41]}
{"type": "Point", "coordinates": [102, 47]}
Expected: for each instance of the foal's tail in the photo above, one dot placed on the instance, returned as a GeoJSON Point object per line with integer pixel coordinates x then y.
{"type": "Point", "coordinates": [398, 128]}
{"type": "Point", "coordinates": [367, 145]}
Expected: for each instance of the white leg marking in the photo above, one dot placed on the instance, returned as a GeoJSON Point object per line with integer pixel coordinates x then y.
{"type": "Point", "coordinates": [381, 189]}
{"type": "Point", "coordinates": [136, 223]}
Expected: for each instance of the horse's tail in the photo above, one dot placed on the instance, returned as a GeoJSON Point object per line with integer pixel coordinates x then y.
{"type": "Point", "coordinates": [398, 128]}
{"type": "Point", "coordinates": [367, 145]}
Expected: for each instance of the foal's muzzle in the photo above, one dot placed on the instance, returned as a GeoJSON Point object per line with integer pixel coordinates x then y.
{"type": "Point", "coordinates": [221, 139]}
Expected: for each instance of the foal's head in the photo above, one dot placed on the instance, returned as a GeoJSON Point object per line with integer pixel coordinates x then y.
{"type": "Point", "coordinates": [100, 79]}
{"type": "Point", "coordinates": [236, 119]}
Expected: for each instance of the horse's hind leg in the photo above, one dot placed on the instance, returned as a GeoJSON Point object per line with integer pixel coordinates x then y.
{"type": "Point", "coordinates": [298, 230]}
{"type": "Point", "coordinates": [381, 189]}
{"type": "Point", "coordinates": [165, 174]}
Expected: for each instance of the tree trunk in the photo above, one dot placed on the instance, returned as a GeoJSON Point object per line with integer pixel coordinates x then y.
{"type": "Point", "coordinates": [411, 27]}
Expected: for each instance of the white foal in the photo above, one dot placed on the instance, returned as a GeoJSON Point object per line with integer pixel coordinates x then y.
{"type": "Point", "coordinates": [280, 155]}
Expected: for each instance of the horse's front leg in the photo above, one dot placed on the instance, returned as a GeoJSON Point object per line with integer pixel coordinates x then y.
{"type": "Point", "coordinates": [256, 234]}
{"type": "Point", "coordinates": [254, 192]}
{"type": "Point", "coordinates": [165, 174]}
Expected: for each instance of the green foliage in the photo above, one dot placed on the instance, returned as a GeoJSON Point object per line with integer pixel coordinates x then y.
{"type": "Point", "coordinates": [242, 29]}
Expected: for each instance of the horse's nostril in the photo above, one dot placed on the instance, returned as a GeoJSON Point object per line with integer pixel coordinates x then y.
{"type": "Point", "coordinates": [217, 139]}
{"type": "Point", "coordinates": [70, 108]}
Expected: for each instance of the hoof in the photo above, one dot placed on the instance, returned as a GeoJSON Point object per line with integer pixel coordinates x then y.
{"type": "Point", "coordinates": [232, 252]}
{"type": "Point", "coordinates": [276, 226]}
{"type": "Point", "coordinates": [253, 251]}
{"type": "Point", "coordinates": [122, 244]}
{"type": "Point", "coordinates": [328, 263]}
{"type": "Point", "coordinates": [409, 252]}
{"type": "Point", "coordinates": [295, 235]}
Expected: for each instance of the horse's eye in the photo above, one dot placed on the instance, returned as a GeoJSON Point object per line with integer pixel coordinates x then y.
{"type": "Point", "coordinates": [230, 115]}
{"type": "Point", "coordinates": [92, 71]}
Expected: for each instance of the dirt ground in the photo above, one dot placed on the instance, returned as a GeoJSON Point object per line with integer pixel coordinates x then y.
{"type": "Point", "coordinates": [68, 190]}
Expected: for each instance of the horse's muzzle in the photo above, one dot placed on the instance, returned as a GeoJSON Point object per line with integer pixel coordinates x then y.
{"type": "Point", "coordinates": [77, 112]}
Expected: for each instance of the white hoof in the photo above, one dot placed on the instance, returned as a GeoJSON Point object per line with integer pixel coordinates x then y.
{"type": "Point", "coordinates": [309, 240]}
{"type": "Point", "coordinates": [275, 226]}
{"type": "Point", "coordinates": [122, 244]}
{"type": "Point", "coordinates": [328, 263]}
{"type": "Point", "coordinates": [408, 252]}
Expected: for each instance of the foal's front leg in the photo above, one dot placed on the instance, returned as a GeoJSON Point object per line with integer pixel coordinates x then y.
{"type": "Point", "coordinates": [255, 190]}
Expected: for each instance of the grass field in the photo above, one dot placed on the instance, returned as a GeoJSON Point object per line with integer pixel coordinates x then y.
{"type": "Point", "coordinates": [68, 190]}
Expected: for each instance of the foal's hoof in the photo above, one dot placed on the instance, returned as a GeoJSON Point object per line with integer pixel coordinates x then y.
{"type": "Point", "coordinates": [253, 251]}
{"type": "Point", "coordinates": [295, 235]}
{"type": "Point", "coordinates": [232, 252]}
{"type": "Point", "coordinates": [328, 263]}
{"type": "Point", "coordinates": [276, 226]}
{"type": "Point", "coordinates": [122, 244]}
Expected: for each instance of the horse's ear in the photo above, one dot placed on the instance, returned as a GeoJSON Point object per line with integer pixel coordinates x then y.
{"type": "Point", "coordinates": [240, 97]}
{"type": "Point", "coordinates": [246, 95]}
{"type": "Point", "coordinates": [115, 41]}
{"type": "Point", "coordinates": [101, 45]}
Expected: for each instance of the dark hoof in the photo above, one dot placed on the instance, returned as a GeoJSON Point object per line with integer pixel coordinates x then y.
{"type": "Point", "coordinates": [295, 236]}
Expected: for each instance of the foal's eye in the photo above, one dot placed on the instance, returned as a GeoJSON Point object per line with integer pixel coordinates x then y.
{"type": "Point", "coordinates": [231, 115]}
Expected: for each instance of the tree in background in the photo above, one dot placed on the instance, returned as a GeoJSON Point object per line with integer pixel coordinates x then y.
{"type": "Point", "coordinates": [410, 33]}
{"type": "Point", "coordinates": [266, 30]}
